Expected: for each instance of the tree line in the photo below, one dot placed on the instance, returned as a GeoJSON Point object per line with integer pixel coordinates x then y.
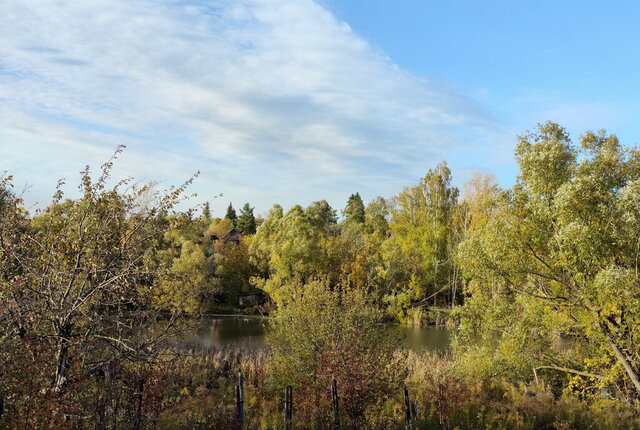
{"type": "Point", "coordinates": [520, 271]}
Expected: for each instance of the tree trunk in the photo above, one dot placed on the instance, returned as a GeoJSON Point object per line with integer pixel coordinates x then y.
{"type": "Point", "coordinates": [631, 370]}
{"type": "Point", "coordinates": [63, 358]}
{"type": "Point", "coordinates": [63, 355]}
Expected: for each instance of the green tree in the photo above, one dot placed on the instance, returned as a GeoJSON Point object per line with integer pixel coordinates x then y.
{"type": "Point", "coordinates": [376, 217]}
{"type": "Point", "coordinates": [187, 253]}
{"type": "Point", "coordinates": [559, 253]}
{"type": "Point", "coordinates": [246, 222]}
{"type": "Point", "coordinates": [233, 270]}
{"type": "Point", "coordinates": [354, 211]}
{"type": "Point", "coordinates": [322, 216]}
{"type": "Point", "coordinates": [288, 248]}
{"type": "Point", "coordinates": [206, 211]}
{"type": "Point", "coordinates": [422, 243]}
{"type": "Point", "coordinates": [261, 246]}
{"type": "Point", "coordinates": [231, 214]}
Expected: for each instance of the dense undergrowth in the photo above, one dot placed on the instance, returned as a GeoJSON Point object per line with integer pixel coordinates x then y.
{"type": "Point", "coordinates": [443, 396]}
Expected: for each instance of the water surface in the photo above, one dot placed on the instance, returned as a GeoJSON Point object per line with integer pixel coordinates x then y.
{"type": "Point", "coordinates": [224, 330]}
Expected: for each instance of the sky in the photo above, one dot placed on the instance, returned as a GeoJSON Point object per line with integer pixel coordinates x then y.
{"type": "Point", "coordinates": [292, 101]}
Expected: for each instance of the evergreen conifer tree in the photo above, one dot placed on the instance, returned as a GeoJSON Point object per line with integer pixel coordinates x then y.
{"type": "Point", "coordinates": [246, 223]}
{"type": "Point", "coordinates": [231, 214]}
{"type": "Point", "coordinates": [354, 211]}
{"type": "Point", "coordinates": [206, 212]}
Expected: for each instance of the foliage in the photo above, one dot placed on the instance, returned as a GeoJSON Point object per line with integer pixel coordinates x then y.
{"type": "Point", "coordinates": [91, 289]}
{"type": "Point", "coordinates": [233, 269]}
{"type": "Point", "coordinates": [322, 217]}
{"type": "Point", "coordinates": [231, 214]}
{"type": "Point", "coordinates": [376, 216]}
{"type": "Point", "coordinates": [77, 281]}
{"type": "Point", "coordinates": [447, 397]}
{"type": "Point", "coordinates": [206, 212]}
{"type": "Point", "coordinates": [319, 334]}
{"type": "Point", "coordinates": [187, 255]}
{"type": "Point", "coordinates": [558, 253]}
{"type": "Point", "coordinates": [290, 248]}
{"type": "Point", "coordinates": [246, 222]}
{"type": "Point", "coordinates": [419, 253]}
{"type": "Point", "coordinates": [353, 213]}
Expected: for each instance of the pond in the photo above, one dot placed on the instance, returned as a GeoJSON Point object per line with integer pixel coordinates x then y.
{"type": "Point", "coordinates": [222, 330]}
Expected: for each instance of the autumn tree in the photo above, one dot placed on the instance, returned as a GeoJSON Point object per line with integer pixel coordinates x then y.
{"type": "Point", "coordinates": [80, 277]}
{"type": "Point", "coordinates": [289, 247]}
{"type": "Point", "coordinates": [293, 247]}
{"type": "Point", "coordinates": [419, 254]}
{"type": "Point", "coordinates": [559, 252]}
{"type": "Point", "coordinates": [185, 256]}
{"type": "Point", "coordinates": [323, 217]}
{"type": "Point", "coordinates": [376, 218]}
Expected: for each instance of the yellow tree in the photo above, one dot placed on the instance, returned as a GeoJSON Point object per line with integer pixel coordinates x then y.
{"type": "Point", "coordinates": [562, 248]}
{"type": "Point", "coordinates": [420, 250]}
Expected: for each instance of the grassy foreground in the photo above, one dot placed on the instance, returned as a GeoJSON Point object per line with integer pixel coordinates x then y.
{"type": "Point", "coordinates": [197, 391]}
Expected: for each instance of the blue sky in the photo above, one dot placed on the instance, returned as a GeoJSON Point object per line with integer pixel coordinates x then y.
{"type": "Point", "coordinates": [290, 101]}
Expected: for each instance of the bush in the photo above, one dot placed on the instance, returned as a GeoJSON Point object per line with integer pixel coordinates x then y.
{"type": "Point", "coordinates": [320, 334]}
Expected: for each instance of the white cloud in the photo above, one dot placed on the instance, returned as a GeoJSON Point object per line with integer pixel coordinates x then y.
{"type": "Point", "coordinates": [274, 100]}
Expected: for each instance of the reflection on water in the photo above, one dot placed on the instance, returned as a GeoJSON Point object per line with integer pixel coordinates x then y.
{"type": "Point", "coordinates": [221, 330]}
{"type": "Point", "coordinates": [430, 338]}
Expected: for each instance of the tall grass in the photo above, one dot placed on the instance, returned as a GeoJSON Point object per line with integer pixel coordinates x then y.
{"type": "Point", "coordinates": [198, 393]}
{"type": "Point", "coordinates": [447, 397]}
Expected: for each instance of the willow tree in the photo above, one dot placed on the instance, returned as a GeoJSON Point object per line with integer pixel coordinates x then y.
{"type": "Point", "coordinates": [288, 248]}
{"type": "Point", "coordinates": [563, 247]}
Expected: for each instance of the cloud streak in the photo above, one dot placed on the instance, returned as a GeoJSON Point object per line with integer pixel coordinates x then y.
{"type": "Point", "coordinates": [274, 100]}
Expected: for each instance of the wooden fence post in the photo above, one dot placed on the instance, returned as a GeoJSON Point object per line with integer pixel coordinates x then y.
{"type": "Point", "coordinates": [407, 407]}
{"type": "Point", "coordinates": [288, 407]}
{"type": "Point", "coordinates": [140, 393]}
{"type": "Point", "coordinates": [334, 403]}
{"type": "Point", "coordinates": [239, 391]}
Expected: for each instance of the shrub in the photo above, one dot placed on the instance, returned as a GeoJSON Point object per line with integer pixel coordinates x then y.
{"type": "Point", "coordinates": [320, 334]}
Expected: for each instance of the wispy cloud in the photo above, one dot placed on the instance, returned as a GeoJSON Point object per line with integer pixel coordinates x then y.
{"type": "Point", "coordinates": [274, 100]}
